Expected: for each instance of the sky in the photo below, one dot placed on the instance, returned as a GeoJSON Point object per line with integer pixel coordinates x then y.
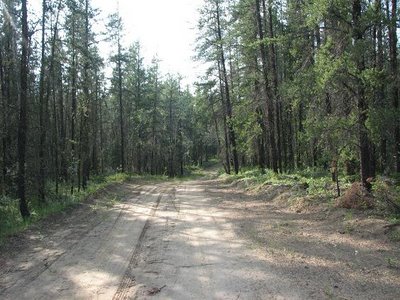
{"type": "Point", "coordinates": [166, 28]}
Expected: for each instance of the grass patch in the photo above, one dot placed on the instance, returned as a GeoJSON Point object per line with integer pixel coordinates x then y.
{"type": "Point", "coordinates": [313, 185]}
{"type": "Point", "coordinates": [317, 182]}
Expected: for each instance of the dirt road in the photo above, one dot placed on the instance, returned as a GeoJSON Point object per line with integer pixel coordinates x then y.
{"type": "Point", "coordinates": [164, 241]}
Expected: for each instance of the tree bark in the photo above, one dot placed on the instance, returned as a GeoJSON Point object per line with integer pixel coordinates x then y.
{"type": "Point", "coordinates": [121, 107]}
{"type": "Point", "coordinates": [73, 100]}
{"type": "Point", "coordinates": [394, 79]}
{"type": "Point", "coordinates": [357, 35]}
{"type": "Point", "coordinates": [268, 93]}
{"type": "Point", "coordinates": [274, 80]}
{"type": "Point", "coordinates": [51, 86]}
{"type": "Point", "coordinates": [380, 91]}
{"type": "Point", "coordinates": [42, 111]}
{"type": "Point", "coordinates": [22, 125]}
{"type": "Point", "coordinates": [227, 165]}
{"type": "Point", "coordinates": [84, 140]}
{"type": "Point", "coordinates": [228, 103]}
{"type": "Point", "coordinates": [171, 154]}
{"type": "Point", "coordinates": [4, 127]}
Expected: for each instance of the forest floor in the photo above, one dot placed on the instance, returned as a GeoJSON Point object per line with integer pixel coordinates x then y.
{"type": "Point", "coordinates": [201, 239]}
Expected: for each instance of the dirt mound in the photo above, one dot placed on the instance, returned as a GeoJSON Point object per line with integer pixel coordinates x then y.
{"type": "Point", "coordinates": [356, 197]}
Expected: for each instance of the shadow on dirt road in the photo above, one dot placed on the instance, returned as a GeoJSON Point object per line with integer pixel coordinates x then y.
{"type": "Point", "coordinates": [196, 239]}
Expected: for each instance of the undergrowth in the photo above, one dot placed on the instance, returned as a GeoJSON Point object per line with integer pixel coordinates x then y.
{"type": "Point", "coordinates": [316, 184]}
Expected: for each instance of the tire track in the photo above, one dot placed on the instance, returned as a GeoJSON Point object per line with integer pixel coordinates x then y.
{"type": "Point", "coordinates": [128, 280]}
{"type": "Point", "coordinates": [37, 271]}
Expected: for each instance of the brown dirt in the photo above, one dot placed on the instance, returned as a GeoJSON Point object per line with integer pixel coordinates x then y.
{"type": "Point", "coordinates": [203, 240]}
{"type": "Point", "coordinates": [333, 253]}
{"type": "Point", "coordinates": [356, 197]}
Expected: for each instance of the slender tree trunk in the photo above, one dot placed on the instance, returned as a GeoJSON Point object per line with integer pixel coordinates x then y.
{"type": "Point", "coordinates": [22, 125]}
{"type": "Point", "coordinates": [232, 134]}
{"type": "Point", "coordinates": [121, 109]}
{"type": "Point", "coordinates": [300, 131]}
{"type": "Point", "coordinates": [101, 135]}
{"type": "Point", "coordinates": [394, 79]}
{"type": "Point", "coordinates": [268, 92]}
{"type": "Point", "coordinates": [261, 141]}
{"type": "Point", "coordinates": [227, 165]}
{"type": "Point", "coordinates": [4, 126]}
{"type": "Point", "coordinates": [380, 91]}
{"type": "Point", "coordinates": [42, 111]}
{"type": "Point", "coordinates": [62, 126]}
{"type": "Point", "coordinates": [95, 129]}
{"type": "Point", "coordinates": [153, 169]}
{"type": "Point", "coordinates": [56, 142]}
{"type": "Point", "coordinates": [73, 103]}
{"type": "Point", "coordinates": [171, 154]}
{"type": "Point", "coordinates": [84, 142]}
{"type": "Point", "coordinates": [274, 80]}
{"type": "Point", "coordinates": [51, 86]}
{"type": "Point", "coordinates": [180, 148]}
{"type": "Point", "coordinates": [217, 131]}
{"type": "Point", "coordinates": [362, 104]}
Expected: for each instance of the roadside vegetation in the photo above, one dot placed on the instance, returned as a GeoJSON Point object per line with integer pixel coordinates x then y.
{"type": "Point", "coordinates": [315, 186]}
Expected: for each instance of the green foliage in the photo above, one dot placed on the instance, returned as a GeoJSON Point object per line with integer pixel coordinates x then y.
{"type": "Point", "coordinates": [316, 179]}
{"type": "Point", "coordinates": [247, 128]}
{"type": "Point", "coordinates": [9, 216]}
{"type": "Point", "coordinates": [328, 65]}
{"type": "Point", "coordinates": [387, 191]}
{"type": "Point", "coordinates": [380, 123]}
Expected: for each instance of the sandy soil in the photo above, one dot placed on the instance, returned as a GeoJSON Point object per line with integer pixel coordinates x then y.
{"type": "Point", "coordinates": [200, 240]}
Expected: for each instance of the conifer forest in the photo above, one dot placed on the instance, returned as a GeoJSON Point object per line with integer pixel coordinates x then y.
{"type": "Point", "coordinates": [288, 85]}
{"type": "Point", "coordinates": [199, 149]}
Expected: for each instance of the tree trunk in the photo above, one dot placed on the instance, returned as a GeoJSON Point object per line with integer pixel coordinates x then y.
{"type": "Point", "coordinates": [274, 80]}
{"type": "Point", "coordinates": [171, 153]}
{"type": "Point", "coordinates": [51, 86]}
{"type": "Point", "coordinates": [217, 132]}
{"type": "Point", "coordinates": [362, 104]}
{"type": "Point", "coordinates": [84, 140]}
{"type": "Point", "coordinates": [73, 104]}
{"type": "Point", "coordinates": [22, 125]}
{"type": "Point", "coordinates": [394, 79]}
{"type": "Point", "coordinates": [121, 109]}
{"type": "Point", "coordinates": [4, 143]}
{"type": "Point", "coordinates": [227, 165]}
{"type": "Point", "coordinates": [228, 103]}
{"type": "Point", "coordinates": [268, 93]}
{"type": "Point", "coordinates": [261, 140]}
{"type": "Point", "coordinates": [62, 126]}
{"type": "Point", "coordinates": [42, 111]}
{"type": "Point", "coordinates": [180, 148]}
{"type": "Point", "coordinates": [95, 124]}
